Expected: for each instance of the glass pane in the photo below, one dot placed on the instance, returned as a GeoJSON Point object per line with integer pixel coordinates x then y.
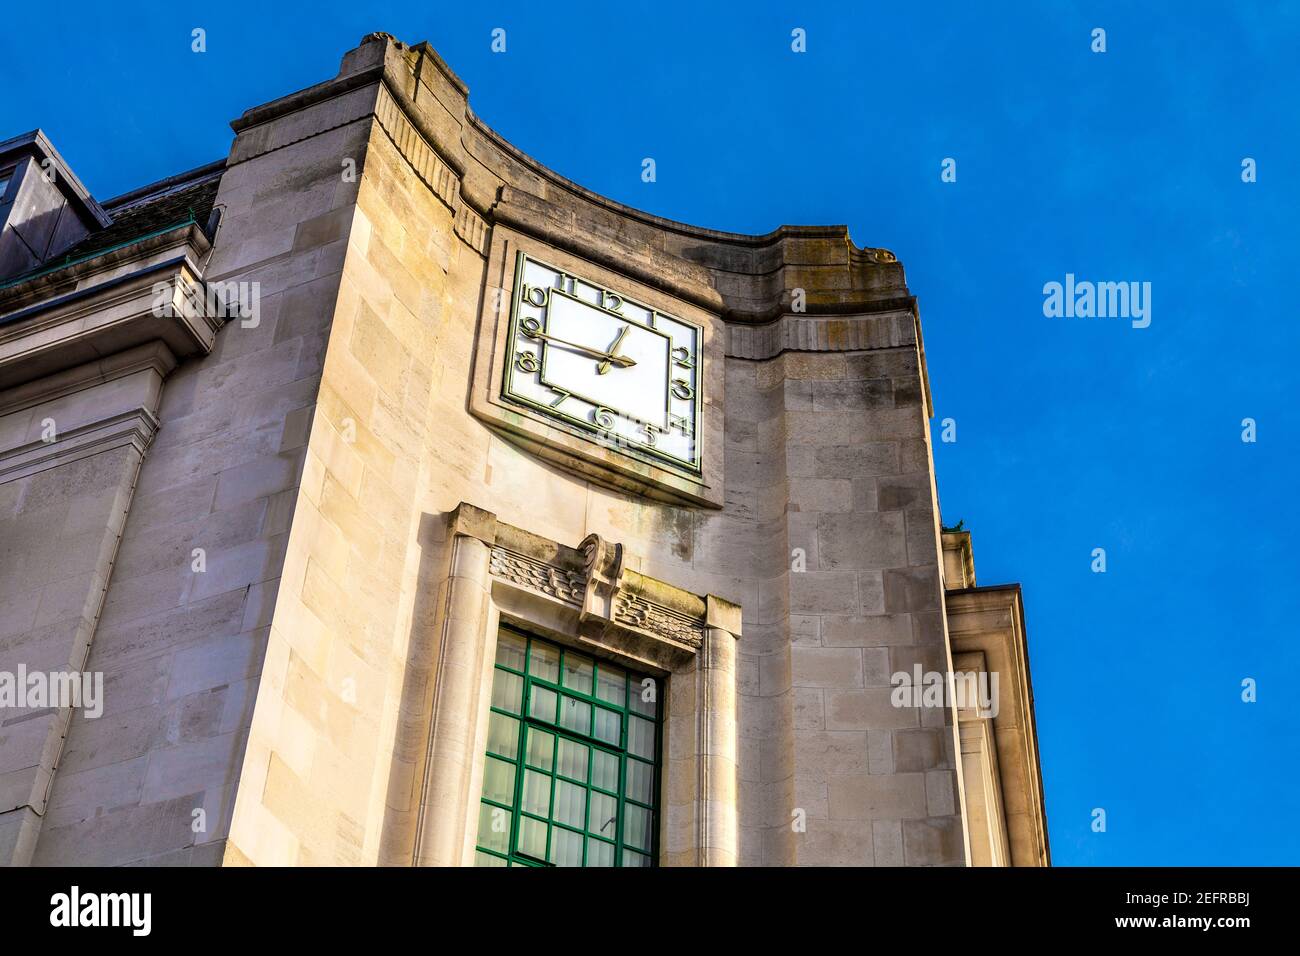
{"type": "Point", "coordinates": [577, 672]}
{"type": "Point", "coordinates": [532, 837]}
{"type": "Point", "coordinates": [541, 749]}
{"type": "Point", "coordinates": [503, 736]}
{"type": "Point", "coordinates": [575, 715]}
{"type": "Point", "coordinates": [573, 759]}
{"type": "Point", "coordinates": [611, 684]}
{"type": "Point", "coordinates": [609, 726]}
{"type": "Point", "coordinates": [570, 804]}
{"type": "Point", "coordinates": [544, 662]}
{"type": "Point", "coordinates": [507, 691]}
{"type": "Point", "coordinates": [510, 650]}
{"type": "Point", "coordinates": [640, 781]}
{"type": "Point", "coordinates": [600, 853]}
{"type": "Point", "coordinates": [543, 705]}
{"type": "Point", "coordinates": [641, 737]}
{"type": "Point", "coordinates": [604, 815]}
{"type": "Point", "coordinates": [537, 793]}
{"type": "Point", "coordinates": [644, 697]}
{"type": "Point", "coordinates": [604, 771]}
{"type": "Point", "coordinates": [499, 781]}
{"type": "Point", "coordinates": [493, 828]}
{"type": "Point", "coordinates": [566, 847]}
{"type": "Point", "coordinates": [636, 826]}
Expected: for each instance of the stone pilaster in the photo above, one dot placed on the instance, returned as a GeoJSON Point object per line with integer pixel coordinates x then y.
{"type": "Point", "coordinates": [464, 608]}
{"type": "Point", "coordinates": [719, 835]}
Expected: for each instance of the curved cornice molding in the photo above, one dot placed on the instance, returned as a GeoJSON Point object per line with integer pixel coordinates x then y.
{"type": "Point", "coordinates": [743, 278]}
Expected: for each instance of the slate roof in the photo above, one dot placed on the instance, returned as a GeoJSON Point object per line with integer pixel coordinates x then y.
{"type": "Point", "coordinates": [151, 208]}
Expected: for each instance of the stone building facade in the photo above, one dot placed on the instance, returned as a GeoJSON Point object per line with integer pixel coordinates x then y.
{"type": "Point", "coordinates": [281, 465]}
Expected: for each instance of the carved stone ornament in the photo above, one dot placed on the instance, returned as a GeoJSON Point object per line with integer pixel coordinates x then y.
{"type": "Point", "coordinates": [537, 576]}
{"type": "Point", "coordinates": [636, 612]}
{"type": "Point", "coordinates": [604, 570]}
{"type": "Point", "coordinates": [599, 592]}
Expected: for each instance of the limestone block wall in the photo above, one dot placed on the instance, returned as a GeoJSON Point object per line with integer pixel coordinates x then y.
{"type": "Point", "coordinates": [70, 450]}
{"type": "Point", "coordinates": [749, 543]}
{"type": "Point", "coordinates": [878, 782]}
{"type": "Point", "coordinates": [154, 779]}
{"type": "Point", "coordinates": [316, 773]}
{"type": "Point", "coordinates": [59, 530]}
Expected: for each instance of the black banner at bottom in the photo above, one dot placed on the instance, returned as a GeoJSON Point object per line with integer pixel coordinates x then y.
{"type": "Point", "coordinates": [367, 906]}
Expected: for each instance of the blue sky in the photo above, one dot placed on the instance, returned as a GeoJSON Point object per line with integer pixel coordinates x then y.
{"type": "Point", "coordinates": [1072, 434]}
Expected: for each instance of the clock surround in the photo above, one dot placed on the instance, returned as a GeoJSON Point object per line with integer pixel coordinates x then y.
{"type": "Point", "coordinates": [646, 406]}
{"type": "Point", "coordinates": [599, 373]}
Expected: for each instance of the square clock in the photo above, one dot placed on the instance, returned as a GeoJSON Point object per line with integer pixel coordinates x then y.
{"type": "Point", "coordinates": [615, 379]}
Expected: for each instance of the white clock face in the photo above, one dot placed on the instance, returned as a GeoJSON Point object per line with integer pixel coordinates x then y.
{"type": "Point", "coordinates": [588, 356]}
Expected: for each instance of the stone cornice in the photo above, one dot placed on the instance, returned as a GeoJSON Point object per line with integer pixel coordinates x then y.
{"type": "Point", "coordinates": [38, 290]}
{"type": "Point", "coordinates": [822, 333]}
{"type": "Point", "coordinates": [135, 428]}
{"type": "Point", "coordinates": [312, 95]}
{"type": "Point", "coordinates": [346, 102]}
{"type": "Point", "coordinates": [161, 302]}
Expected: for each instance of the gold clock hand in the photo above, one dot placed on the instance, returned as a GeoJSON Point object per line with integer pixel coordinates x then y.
{"type": "Point", "coordinates": [620, 360]}
{"type": "Point", "coordinates": [612, 352]}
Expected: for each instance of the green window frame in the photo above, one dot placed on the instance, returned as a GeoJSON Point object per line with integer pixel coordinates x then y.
{"type": "Point", "coordinates": [572, 771]}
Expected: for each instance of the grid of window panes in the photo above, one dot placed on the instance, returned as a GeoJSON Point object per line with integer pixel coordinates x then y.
{"type": "Point", "coordinates": [570, 777]}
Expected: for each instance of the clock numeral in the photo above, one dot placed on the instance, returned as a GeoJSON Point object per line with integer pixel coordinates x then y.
{"type": "Point", "coordinates": [535, 295]}
{"type": "Point", "coordinates": [562, 395]}
{"type": "Point", "coordinates": [683, 425]}
{"type": "Point", "coordinates": [682, 389]}
{"type": "Point", "coordinates": [602, 416]}
{"type": "Point", "coordinates": [684, 359]}
{"type": "Point", "coordinates": [531, 327]}
{"type": "Point", "coordinates": [651, 433]}
{"type": "Point", "coordinates": [606, 297]}
{"type": "Point", "coordinates": [526, 361]}
{"type": "Point", "coordinates": [562, 279]}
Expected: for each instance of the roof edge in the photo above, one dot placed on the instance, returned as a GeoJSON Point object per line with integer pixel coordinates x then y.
{"type": "Point", "coordinates": [162, 185]}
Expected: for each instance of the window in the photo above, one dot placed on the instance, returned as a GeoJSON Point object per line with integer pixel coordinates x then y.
{"type": "Point", "coordinates": [5, 176]}
{"type": "Point", "coordinates": [571, 774]}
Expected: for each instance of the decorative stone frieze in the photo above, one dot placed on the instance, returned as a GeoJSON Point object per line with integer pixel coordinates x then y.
{"type": "Point", "coordinates": [545, 578]}
{"type": "Point", "coordinates": [600, 592]}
